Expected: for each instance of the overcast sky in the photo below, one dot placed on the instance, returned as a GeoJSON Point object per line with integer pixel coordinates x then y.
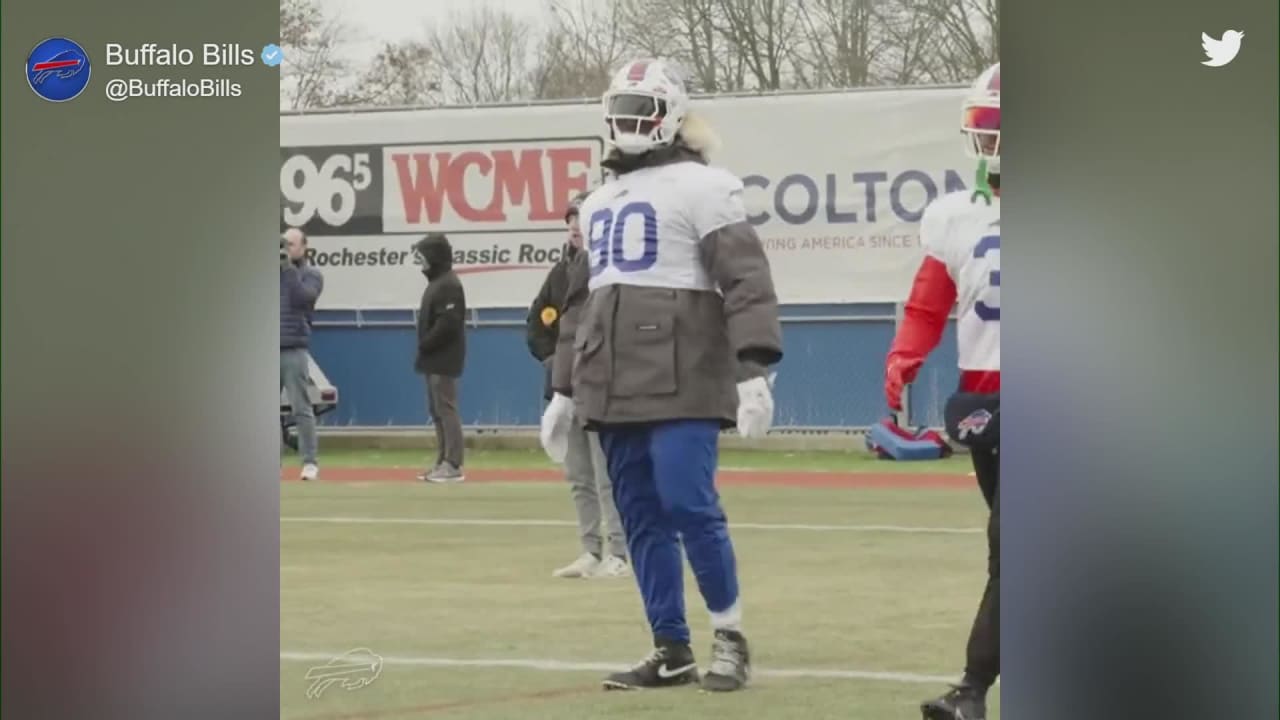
{"type": "Point", "coordinates": [380, 21]}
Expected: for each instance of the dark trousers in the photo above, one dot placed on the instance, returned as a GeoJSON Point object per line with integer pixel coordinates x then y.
{"type": "Point", "coordinates": [982, 656]}
{"type": "Point", "coordinates": [442, 405]}
{"type": "Point", "coordinates": [664, 486]}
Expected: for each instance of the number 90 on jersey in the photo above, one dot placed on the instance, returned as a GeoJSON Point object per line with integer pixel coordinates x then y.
{"type": "Point", "coordinates": [606, 238]}
{"type": "Point", "coordinates": [331, 190]}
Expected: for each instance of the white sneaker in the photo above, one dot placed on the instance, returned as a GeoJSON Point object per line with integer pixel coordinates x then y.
{"type": "Point", "coordinates": [445, 473]}
{"type": "Point", "coordinates": [584, 566]}
{"type": "Point", "coordinates": [612, 567]}
{"type": "Point", "coordinates": [310, 472]}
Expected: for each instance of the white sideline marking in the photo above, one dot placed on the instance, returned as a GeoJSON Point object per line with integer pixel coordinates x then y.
{"type": "Point", "coordinates": [572, 666]}
{"type": "Point", "coordinates": [518, 522]}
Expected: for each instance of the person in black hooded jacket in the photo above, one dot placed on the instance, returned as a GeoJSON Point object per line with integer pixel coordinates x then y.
{"type": "Point", "coordinates": [543, 321]}
{"type": "Point", "coordinates": [441, 352]}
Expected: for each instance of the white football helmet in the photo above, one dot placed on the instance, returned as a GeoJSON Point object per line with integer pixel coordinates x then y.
{"type": "Point", "coordinates": [980, 119]}
{"type": "Point", "coordinates": [645, 106]}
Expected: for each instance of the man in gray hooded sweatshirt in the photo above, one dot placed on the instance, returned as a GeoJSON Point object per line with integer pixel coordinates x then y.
{"type": "Point", "coordinates": [584, 463]}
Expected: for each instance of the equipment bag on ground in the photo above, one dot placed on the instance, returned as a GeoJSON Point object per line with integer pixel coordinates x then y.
{"type": "Point", "coordinates": [890, 441]}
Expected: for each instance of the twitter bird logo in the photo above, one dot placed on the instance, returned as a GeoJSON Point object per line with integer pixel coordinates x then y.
{"type": "Point", "coordinates": [1222, 51]}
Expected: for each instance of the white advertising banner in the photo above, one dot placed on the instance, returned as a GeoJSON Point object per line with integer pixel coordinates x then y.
{"type": "Point", "coordinates": [836, 184]}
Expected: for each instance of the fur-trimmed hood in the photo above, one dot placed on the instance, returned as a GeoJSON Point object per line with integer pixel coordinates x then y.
{"type": "Point", "coordinates": [696, 141]}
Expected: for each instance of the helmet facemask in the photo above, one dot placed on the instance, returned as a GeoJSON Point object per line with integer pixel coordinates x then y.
{"type": "Point", "coordinates": [980, 124]}
{"type": "Point", "coordinates": [638, 121]}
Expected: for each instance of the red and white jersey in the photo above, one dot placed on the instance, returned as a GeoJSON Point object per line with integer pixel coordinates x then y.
{"type": "Point", "coordinates": [963, 234]}
{"type": "Point", "coordinates": [644, 227]}
{"type": "Point", "coordinates": [961, 270]}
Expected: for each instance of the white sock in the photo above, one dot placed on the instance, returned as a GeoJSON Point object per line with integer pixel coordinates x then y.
{"type": "Point", "coordinates": [729, 619]}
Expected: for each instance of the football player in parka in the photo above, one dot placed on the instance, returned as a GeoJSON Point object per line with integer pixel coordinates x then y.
{"type": "Point", "coordinates": [673, 324]}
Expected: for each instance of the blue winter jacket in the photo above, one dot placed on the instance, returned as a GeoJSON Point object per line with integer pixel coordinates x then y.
{"type": "Point", "coordinates": [300, 287]}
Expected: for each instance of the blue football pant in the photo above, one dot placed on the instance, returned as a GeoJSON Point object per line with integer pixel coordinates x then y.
{"type": "Point", "coordinates": [664, 487]}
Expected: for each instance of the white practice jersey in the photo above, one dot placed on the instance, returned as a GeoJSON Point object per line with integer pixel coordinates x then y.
{"type": "Point", "coordinates": [643, 227]}
{"type": "Point", "coordinates": [964, 234]}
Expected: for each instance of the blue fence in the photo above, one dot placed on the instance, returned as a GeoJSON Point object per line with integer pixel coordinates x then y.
{"type": "Point", "coordinates": [831, 375]}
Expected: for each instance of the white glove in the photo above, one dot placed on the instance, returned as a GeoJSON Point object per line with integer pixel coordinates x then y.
{"type": "Point", "coordinates": [755, 408]}
{"type": "Point", "coordinates": [557, 420]}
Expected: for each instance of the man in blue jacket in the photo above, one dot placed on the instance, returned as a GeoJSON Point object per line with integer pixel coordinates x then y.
{"type": "Point", "coordinates": [300, 287]}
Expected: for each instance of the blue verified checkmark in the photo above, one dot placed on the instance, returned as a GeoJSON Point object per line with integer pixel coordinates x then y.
{"type": "Point", "coordinates": [272, 55]}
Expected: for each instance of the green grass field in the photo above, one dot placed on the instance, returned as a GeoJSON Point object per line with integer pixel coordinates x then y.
{"type": "Point", "coordinates": [857, 601]}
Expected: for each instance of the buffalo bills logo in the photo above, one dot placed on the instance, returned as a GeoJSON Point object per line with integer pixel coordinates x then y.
{"type": "Point", "coordinates": [63, 65]}
{"type": "Point", "coordinates": [58, 69]}
{"type": "Point", "coordinates": [975, 423]}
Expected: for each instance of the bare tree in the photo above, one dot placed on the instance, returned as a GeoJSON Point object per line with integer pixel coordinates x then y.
{"type": "Point", "coordinates": [583, 45]}
{"type": "Point", "coordinates": [400, 74]}
{"type": "Point", "coordinates": [555, 75]}
{"type": "Point", "coordinates": [594, 31]}
{"type": "Point", "coordinates": [966, 37]}
{"type": "Point", "coordinates": [842, 41]}
{"type": "Point", "coordinates": [550, 76]}
{"type": "Point", "coordinates": [489, 55]}
{"type": "Point", "coordinates": [763, 34]}
{"type": "Point", "coordinates": [297, 18]}
{"type": "Point", "coordinates": [482, 55]}
{"type": "Point", "coordinates": [907, 56]}
{"type": "Point", "coordinates": [684, 31]}
{"type": "Point", "coordinates": [313, 64]}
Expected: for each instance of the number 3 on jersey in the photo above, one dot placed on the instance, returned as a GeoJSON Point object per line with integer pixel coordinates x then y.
{"type": "Point", "coordinates": [607, 230]}
{"type": "Point", "coordinates": [988, 313]}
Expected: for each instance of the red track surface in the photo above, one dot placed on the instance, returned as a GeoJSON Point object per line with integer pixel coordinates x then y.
{"type": "Point", "coordinates": [727, 477]}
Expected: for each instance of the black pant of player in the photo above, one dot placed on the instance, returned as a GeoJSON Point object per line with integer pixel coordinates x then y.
{"type": "Point", "coordinates": [973, 420]}
{"type": "Point", "coordinates": [982, 656]}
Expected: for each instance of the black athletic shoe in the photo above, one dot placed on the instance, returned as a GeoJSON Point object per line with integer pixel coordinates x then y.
{"type": "Point", "coordinates": [730, 663]}
{"type": "Point", "coordinates": [666, 666]}
{"type": "Point", "coordinates": [961, 703]}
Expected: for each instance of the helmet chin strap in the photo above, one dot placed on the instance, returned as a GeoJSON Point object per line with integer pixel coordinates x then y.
{"type": "Point", "coordinates": [983, 188]}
